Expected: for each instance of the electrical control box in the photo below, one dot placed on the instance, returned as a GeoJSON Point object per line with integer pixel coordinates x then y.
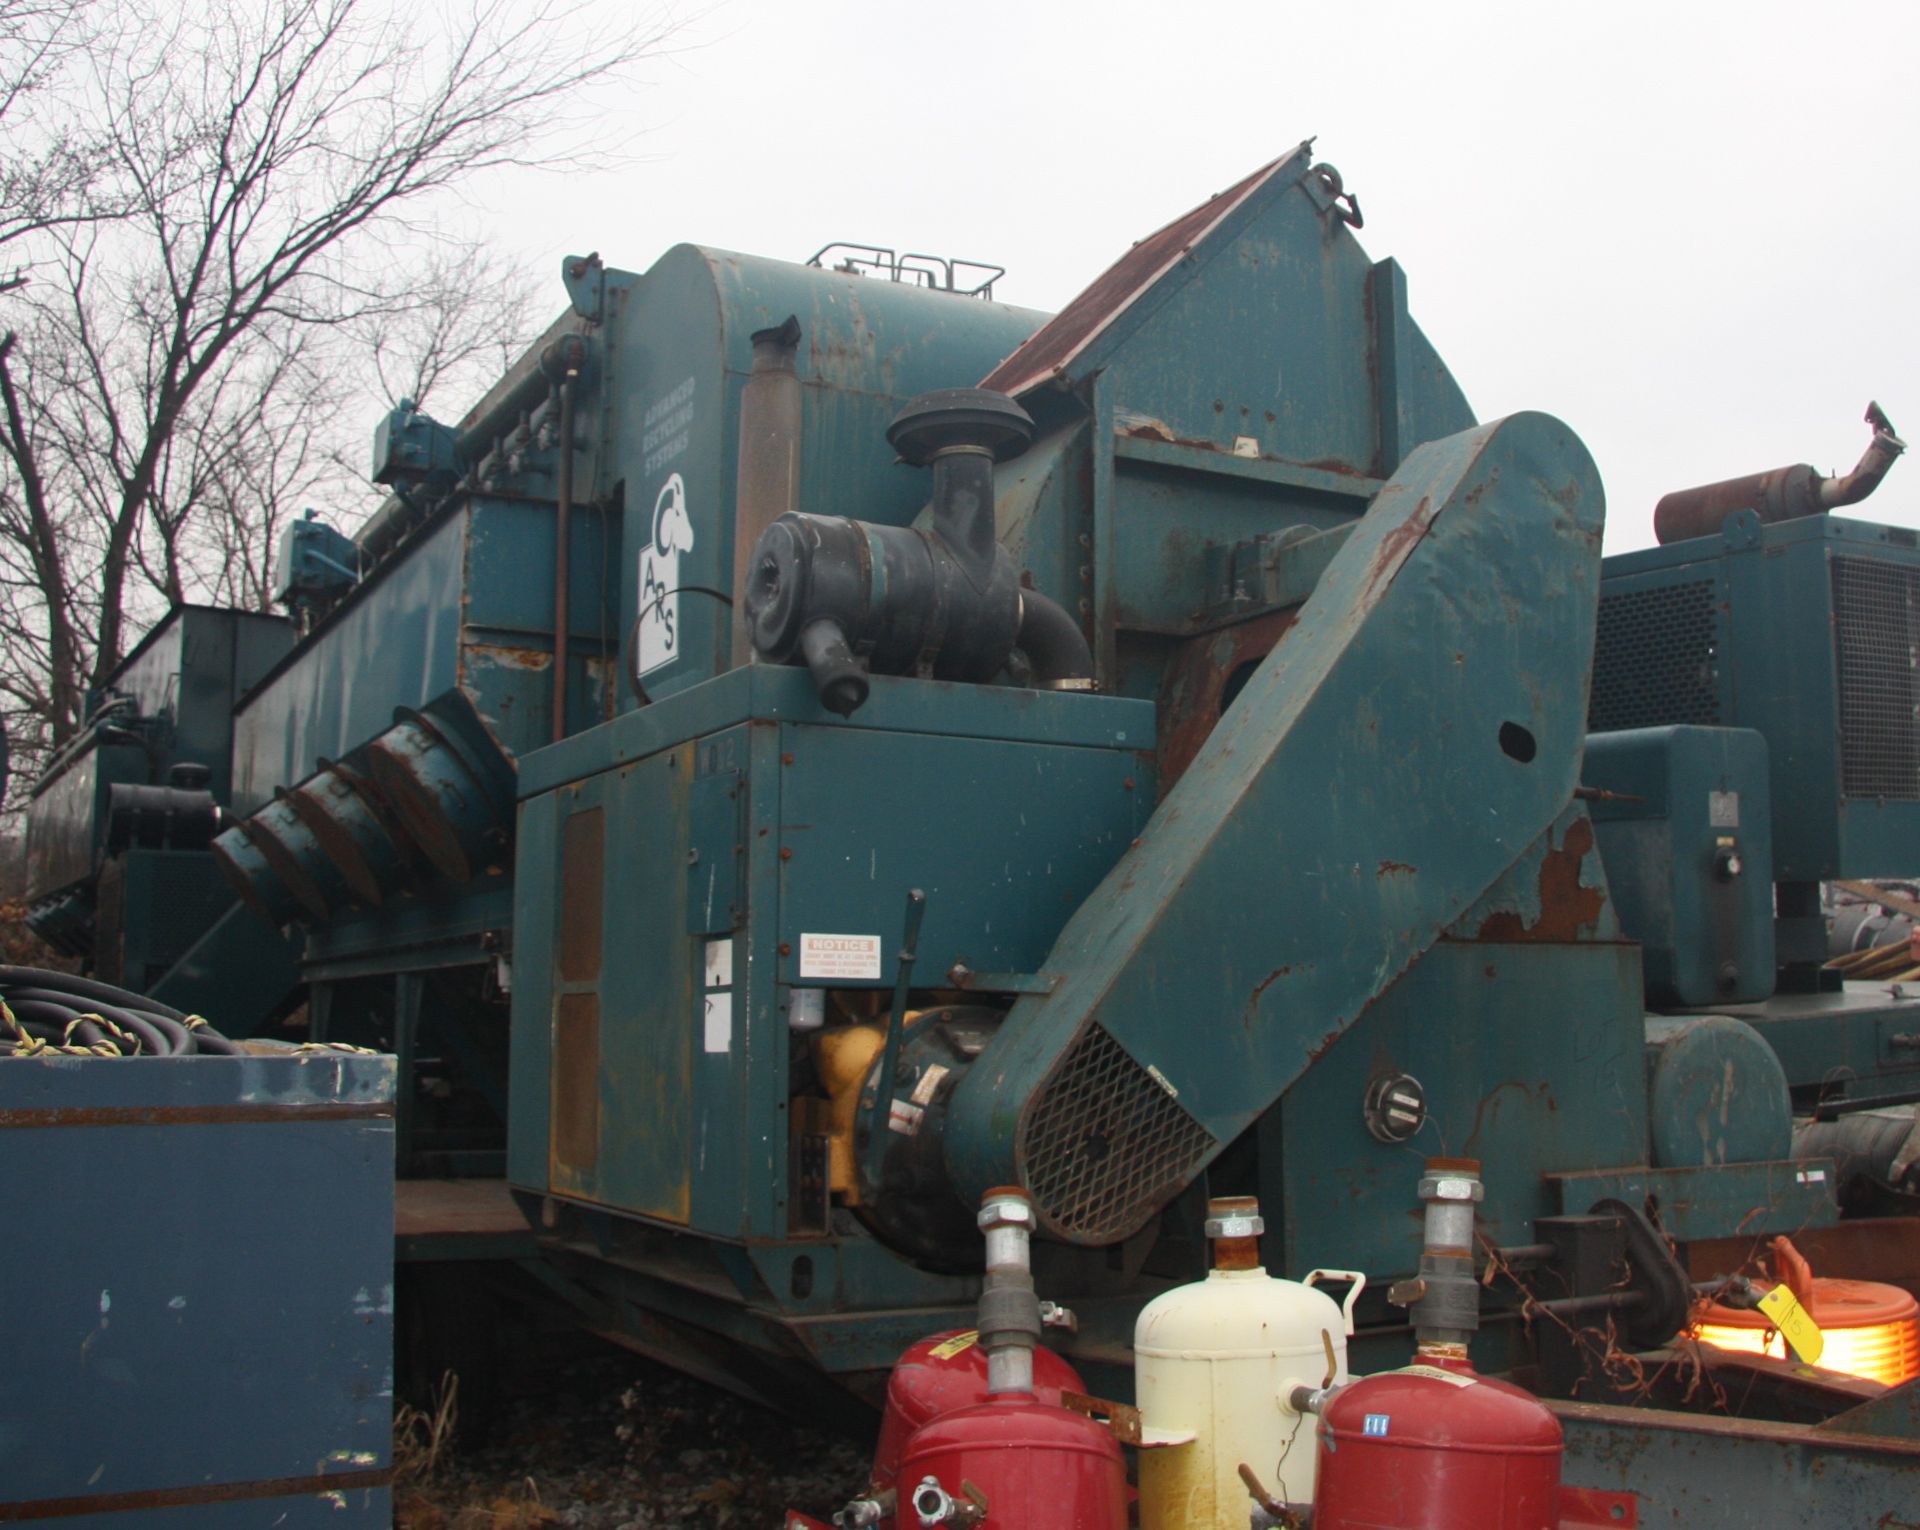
{"type": "Point", "coordinates": [1685, 833]}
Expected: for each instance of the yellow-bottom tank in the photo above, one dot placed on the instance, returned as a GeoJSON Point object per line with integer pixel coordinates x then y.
{"type": "Point", "coordinates": [1217, 1359]}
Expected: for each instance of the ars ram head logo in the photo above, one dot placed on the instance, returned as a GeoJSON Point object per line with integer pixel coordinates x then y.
{"type": "Point", "coordinates": [659, 626]}
{"type": "Point", "coordinates": [672, 529]}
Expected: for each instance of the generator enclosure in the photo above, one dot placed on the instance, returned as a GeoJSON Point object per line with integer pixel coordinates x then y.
{"type": "Point", "coordinates": [1004, 807]}
{"type": "Point", "coordinates": [1803, 631]}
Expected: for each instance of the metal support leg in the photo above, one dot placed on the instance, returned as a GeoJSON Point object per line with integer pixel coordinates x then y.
{"type": "Point", "coordinates": [319, 1013]}
{"type": "Point", "coordinates": [407, 990]}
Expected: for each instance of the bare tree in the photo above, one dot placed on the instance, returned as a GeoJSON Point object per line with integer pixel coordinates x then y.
{"type": "Point", "coordinates": [45, 169]}
{"type": "Point", "coordinates": [289, 430]}
{"type": "Point", "coordinates": [469, 317]}
{"type": "Point", "coordinates": [252, 171]}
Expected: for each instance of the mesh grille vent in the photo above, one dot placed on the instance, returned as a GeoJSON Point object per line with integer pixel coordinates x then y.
{"type": "Point", "coordinates": [1876, 617]}
{"type": "Point", "coordinates": [1654, 658]}
{"type": "Point", "coordinates": [1104, 1138]}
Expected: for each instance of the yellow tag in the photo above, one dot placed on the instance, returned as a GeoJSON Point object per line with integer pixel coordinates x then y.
{"type": "Point", "coordinates": [1796, 1327]}
{"type": "Point", "coordinates": [1437, 1373]}
{"type": "Point", "coordinates": [951, 1347]}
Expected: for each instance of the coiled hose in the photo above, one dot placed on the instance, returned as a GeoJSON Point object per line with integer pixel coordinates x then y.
{"type": "Point", "coordinates": [56, 1012]}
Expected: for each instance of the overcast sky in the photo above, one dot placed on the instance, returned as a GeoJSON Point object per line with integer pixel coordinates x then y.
{"type": "Point", "coordinates": [1690, 230]}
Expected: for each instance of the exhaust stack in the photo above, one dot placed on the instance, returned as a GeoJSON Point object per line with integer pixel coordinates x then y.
{"type": "Point", "coordinates": [1784, 494]}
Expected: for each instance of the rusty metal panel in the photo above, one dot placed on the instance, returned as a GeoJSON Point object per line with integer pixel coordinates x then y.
{"type": "Point", "coordinates": [1781, 1196]}
{"type": "Point", "coordinates": [576, 1089]}
{"type": "Point", "coordinates": [1884, 1249]}
{"type": "Point", "coordinates": [583, 854]}
{"type": "Point", "coordinates": [1508, 1043]}
{"type": "Point", "coordinates": [1715, 1473]}
{"type": "Point", "coordinates": [1129, 279]}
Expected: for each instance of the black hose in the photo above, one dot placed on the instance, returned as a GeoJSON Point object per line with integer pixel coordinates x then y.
{"type": "Point", "coordinates": [53, 1009]}
{"type": "Point", "coordinates": [1052, 640]}
{"type": "Point", "coordinates": [43, 1011]}
{"type": "Point", "coordinates": [86, 988]}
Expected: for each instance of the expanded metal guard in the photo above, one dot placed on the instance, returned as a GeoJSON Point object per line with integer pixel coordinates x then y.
{"type": "Point", "coordinates": [1655, 658]}
{"type": "Point", "coordinates": [1876, 623]}
{"type": "Point", "coordinates": [1104, 1139]}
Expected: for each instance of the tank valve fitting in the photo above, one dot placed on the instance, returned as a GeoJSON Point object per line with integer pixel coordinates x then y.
{"type": "Point", "coordinates": [1445, 1297]}
{"type": "Point", "coordinates": [863, 1513]}
{"type": "Point", "coordinates": [1268, 1513]}
{"type": "Point", "coordinates": [936, 1507]}
{"type": "Point", "coordinates": [1234, 1225]}
{"type": "Point", "coordinates": [1010, 1314]}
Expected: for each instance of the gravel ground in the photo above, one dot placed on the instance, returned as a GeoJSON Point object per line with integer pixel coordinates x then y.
{"type": "Point", "coordinates": [610, 1441]}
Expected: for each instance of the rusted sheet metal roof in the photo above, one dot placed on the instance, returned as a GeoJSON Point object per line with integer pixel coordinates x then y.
{"type": "Point", "coordinates": [1055, 345]}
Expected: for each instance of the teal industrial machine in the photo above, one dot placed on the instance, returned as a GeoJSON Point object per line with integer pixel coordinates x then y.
{"type": "Point", "coordinates": [1178, 783]}
{"type": "Point", "coordinates": [351, 768]}
{"type": "Point", "coordinates": [1763, 660]}
{"type": "Point", "coordinates": [878, 744]}
{"type": "Point", "coordinates": [119, 823]}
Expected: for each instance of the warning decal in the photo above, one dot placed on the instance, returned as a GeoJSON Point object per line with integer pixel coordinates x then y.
{"type": "Point", "coordinates": [854, 957]}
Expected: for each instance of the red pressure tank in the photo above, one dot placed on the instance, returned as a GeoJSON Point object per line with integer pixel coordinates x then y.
{"type": "Point", "coordinates": [941, 1375]}
{"type": "Point", "coordinates": [1036, 1466]}
{"type": "Point", "coordinates": [1436, 1447]}
{"type": "Point", "coordinates": [1012, 1461]}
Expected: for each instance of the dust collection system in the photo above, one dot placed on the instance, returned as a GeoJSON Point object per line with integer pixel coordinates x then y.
{"type": "Point", "coordinates": [860, 807]}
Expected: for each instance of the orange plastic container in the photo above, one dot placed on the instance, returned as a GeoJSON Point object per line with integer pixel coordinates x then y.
{"type": "Point", "coordinates": [1870, 1330]}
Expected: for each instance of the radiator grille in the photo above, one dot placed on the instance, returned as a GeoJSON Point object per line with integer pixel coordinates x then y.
{"type": "Point", "coordinates": [1876, 620]}
{"type": "Point", "coordinates": [1655, 658]}
{"type": "Point", "coordinates": [1104, 1140]}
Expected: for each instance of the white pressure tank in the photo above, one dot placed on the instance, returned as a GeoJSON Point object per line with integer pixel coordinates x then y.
{"type": "Point", "coordinates": [1217, 1360]}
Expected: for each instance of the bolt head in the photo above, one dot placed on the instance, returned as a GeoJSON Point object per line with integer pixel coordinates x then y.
{"type": "Point", "coordinates": [1005, 1211]}
{"type": "Point", "coordinates": [1451, 1187]}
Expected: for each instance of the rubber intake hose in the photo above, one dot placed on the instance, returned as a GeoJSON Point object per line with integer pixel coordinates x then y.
{"type": "Point", "coordinates": [1052, 640]}
{"type": "Point", "coordinates": [1876, 1146]}
{"type": "Point", "coordinates": [837, 675]}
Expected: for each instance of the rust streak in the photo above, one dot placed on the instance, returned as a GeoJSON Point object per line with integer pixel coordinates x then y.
{"type": "Point", "coordinates": [1398, 544]}
{"type": "Point", "coordinates": [1566, 906]}
{"type": "Point", "coordinates": [512, 656]}
{"type": "Point", "coordinates": [197, 1493]}
{"type": "Point", "coordinates": [192, 1115]}
{"type": "Point", "coordinates": [1332, 465]}
{"type": "Point", "coordinates": [1196, 682]}
{"type": "Point", "coordinates": [1268, 981]}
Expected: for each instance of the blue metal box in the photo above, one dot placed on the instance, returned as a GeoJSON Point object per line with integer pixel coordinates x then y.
{"type": "Point", "coordinates": [200, 1260]}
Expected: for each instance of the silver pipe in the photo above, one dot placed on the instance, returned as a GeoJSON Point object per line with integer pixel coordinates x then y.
{"type": "Point", "coordinates": [1009, 1310]}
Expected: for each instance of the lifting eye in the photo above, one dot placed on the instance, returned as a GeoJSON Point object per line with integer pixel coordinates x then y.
{"type": "Point", "coordinates": [1516, 743]}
